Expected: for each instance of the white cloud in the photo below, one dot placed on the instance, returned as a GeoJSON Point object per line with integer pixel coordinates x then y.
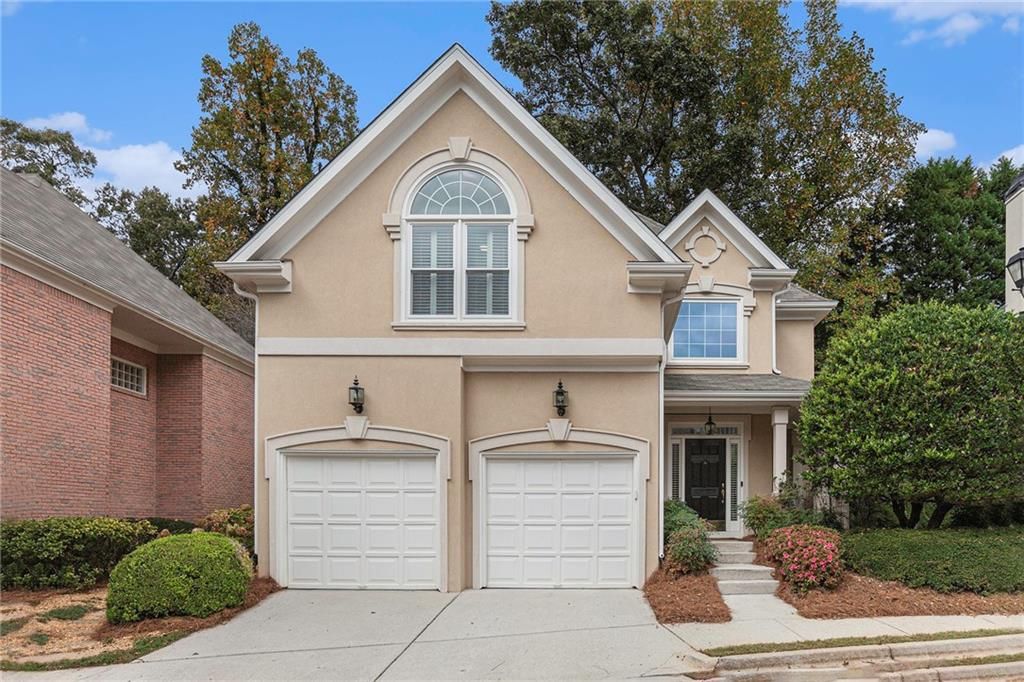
{"type": "Point", "coordinates": [134, 166]}
{"type": "Point", "coordinates": [933, 141]}
{"type": "Point", "coordinates": [73, 122]}
{"type": "Point", "coordinates": [950, 22]}
{"type": "Point", "coordinates": [130, 166]}
{"type": "Point", "coordinates": [1015, 154]}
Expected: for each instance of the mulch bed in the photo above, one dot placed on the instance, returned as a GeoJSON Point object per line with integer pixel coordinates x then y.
{"type": "Point", "coordinates": [259, 589]}
{"type": "Point", "coordinates": [862, 597]}
{"type": "Point", "coordinates": [687, 599]}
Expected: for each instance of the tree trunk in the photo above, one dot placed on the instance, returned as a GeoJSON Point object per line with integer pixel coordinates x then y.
{"type": "Point", "coordinates": [941, 509]}
{"type": "Point", "coordinates": [900, 512]}
{"type": "Point", "coordinates": [915, 514]}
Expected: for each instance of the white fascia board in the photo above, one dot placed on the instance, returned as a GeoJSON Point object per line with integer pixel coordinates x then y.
{"type": "Point", "coordinates": [666, 279]}
{"type": "Point", "coordinates": [260, 276]}
{"type": "Point", "coordinates": [455, 70]}
{"type": "Point", "coordinates": [680, 225]}
{"type": "Point", "coordinates": [620, 349]}
{"type": "Point", "coordinates": [770, 279]}
{"type": "Point", "coordinates": [804, 310]}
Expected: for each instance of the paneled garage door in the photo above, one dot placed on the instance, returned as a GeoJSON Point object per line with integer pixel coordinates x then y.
{"type": "Point", "coordinates": [559, 522]}
{"type": "Point", "coordinates": [363, 522]}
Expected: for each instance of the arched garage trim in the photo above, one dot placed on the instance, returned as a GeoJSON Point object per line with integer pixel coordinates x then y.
{"type": "Point", "coordinates": [352, 435]}
{"type": "Point", "coordinates": [606, 443]}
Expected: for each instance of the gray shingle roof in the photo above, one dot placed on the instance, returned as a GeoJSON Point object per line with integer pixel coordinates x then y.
{"type": "Point", "coordinates": [651, 224]}
{"type": "Point", "coordinates": [734, 382]}
{"type": "Point", "coordinates": [1015, 186]}
{"type": "Point", "coordinates": [797, 293]}
{"type": "Point", "coordinates": [39, 220]}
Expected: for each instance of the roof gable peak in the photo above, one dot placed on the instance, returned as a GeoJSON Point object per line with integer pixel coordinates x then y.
{"type": "Point", "coordinates": [707, 204]}
{"type": "Point", "coordinates": [454, 71]}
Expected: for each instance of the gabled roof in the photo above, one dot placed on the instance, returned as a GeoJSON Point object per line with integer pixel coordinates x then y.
{"type": "Point", "coordinates": [708, 205]}
{"type": "Point", "coordinates": [454, 71]}
{"type": "Point", "coordinates": [40, 223]}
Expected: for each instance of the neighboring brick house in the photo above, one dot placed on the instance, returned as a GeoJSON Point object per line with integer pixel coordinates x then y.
{"type": "Point", "coordinates": [120, 395]}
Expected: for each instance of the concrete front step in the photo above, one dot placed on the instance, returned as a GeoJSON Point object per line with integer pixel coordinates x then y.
{"type": "Point", "coordinates": [742, 572]}
{"type": "Point", "coordinates": [735, 557]}
{"type": "Point", "coordinates": [747, 586]}
{"type": "Point", "coordinates": [733, 545]}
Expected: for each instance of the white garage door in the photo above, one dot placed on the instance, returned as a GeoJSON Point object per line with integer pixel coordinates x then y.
{"type": "Point", "coordinates": [363, 522]}
{"type": "Point", "coordinates": [559, 522]}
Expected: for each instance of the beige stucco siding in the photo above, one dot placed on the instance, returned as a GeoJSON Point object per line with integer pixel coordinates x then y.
{"type": "Point", "coordinates": [1014, 242]}
{"type": "Point", "coordinates": [796, 348]}
{"type": "Point", "coordinates": [343, 276]}
{"type": "Point", "coordinates": [759, 456]}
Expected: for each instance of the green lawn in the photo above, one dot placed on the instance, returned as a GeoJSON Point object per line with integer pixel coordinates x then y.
{"type": "Point", "coordinates": [984, 561]}
{"type": "Point", "coordinates": [770, 647]}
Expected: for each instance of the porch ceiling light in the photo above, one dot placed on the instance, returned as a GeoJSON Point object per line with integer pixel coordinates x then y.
{"type": "Point", "coordinates": [356, 395]}
{"type": "Point", "coordinates": [709, 425]}
{"type": "Point", "coordinates": [560, 399]}
{"type": "Point", "coordinates": [1015, 266]}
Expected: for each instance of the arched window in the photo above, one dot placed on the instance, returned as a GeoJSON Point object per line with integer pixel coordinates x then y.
{"type": "Point", "coordinates": [460, 248]}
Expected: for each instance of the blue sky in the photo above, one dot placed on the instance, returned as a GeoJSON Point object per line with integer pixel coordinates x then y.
{"type": "Point", "coordinates": [123, 76]}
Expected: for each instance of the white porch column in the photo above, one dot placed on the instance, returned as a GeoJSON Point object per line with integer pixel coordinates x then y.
{"type": "Point", "coordinates": [780, 422]}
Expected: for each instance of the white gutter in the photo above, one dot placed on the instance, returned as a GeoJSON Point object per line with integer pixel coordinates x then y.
{"type": "Point", "coordinates": [775, 332]}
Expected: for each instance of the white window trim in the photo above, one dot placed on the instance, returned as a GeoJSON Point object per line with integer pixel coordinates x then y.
{"type": "Point", "coordinates": [732, 528]}
{"type": "Point", "coordinates": [404, 319]}
{"type": "Point", "coordinates": [742, 319]}
{"type": "Point", "coordinates": [145, 378]}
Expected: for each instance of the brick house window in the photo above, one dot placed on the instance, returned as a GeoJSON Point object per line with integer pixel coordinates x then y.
{"type": "Point", "coordinates": [128, 376]}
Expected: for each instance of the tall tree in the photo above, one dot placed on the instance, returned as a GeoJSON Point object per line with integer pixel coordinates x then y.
{"type": "Point", "coordinates": [792, 127]}
{"type": "Point", "coordinates": [160, 229]}
{"type": "Point", "coordinates": [947, 232]}
{"type": "Point", "coordinates": [269, 123]}
{"type": "Point", "coordinates": [51, 154]}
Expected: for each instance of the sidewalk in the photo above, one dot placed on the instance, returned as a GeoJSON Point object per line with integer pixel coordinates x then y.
{"type": "Point", "coordinates": [763, 618]}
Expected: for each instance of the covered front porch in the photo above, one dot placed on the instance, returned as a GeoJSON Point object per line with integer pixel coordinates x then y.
{"type": "Point", "coordinates": [728, 438]}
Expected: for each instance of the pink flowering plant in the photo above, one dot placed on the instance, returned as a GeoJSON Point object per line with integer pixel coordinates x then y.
{"type": "Point", "coordinates": [807, 556]}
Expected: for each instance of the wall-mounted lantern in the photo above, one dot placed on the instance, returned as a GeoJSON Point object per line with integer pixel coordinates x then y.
{"type": "Point", "coordinates": [356, 396]}
{"type": "Point", "coordinates": [1015, 266]}
{"type": "Point", "coordinates": [709, 425]}
{"type": "Point", "coordinates": [560, 399]}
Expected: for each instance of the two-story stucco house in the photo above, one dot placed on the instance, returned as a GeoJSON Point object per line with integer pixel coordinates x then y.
{"type": "Point", "coordinates": [463, 264]}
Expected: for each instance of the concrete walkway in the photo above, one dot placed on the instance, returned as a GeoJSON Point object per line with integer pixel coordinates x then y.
{"type": "Point", "coordinates": [762, 618]}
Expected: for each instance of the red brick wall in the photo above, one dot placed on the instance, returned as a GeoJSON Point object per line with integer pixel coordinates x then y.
{"type": "Point", "coordinates": [54, 401]}
{"type": "Point", "coordinates": [227, 436]}
{"type": "Point", "coordinates": [71, 444]}
{"type": "Point", "coordinates": [179, 445]}
{"type": "Point", "coordinates": [133, 438]}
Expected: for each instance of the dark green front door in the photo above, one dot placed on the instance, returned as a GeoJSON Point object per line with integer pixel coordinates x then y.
{"type": "Point", "coordinates": [705, 478]}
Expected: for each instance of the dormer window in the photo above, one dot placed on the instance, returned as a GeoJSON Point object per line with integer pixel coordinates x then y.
{"type": "Point", "coordinates": [460, 248]}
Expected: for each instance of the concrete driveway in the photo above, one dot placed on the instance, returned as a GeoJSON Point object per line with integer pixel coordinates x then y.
{"type": "Point", "coordinates": [486, 634]}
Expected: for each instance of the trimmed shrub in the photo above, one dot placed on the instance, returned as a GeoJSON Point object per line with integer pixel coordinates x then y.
{"type": "Point", "coordinates": [236, 523]}
{"type": "Point", "coordinates": [69, 552]}
{"type": "Point", "coordinates": [688, 548]}
{"type": "Point", "coordinates": [180, 575]}
{"type": "Point", "coordinates": [923, 406]}
{"type": "Point", "coordinates": [807, 556]}
{"type": "Point", "coordinates": [762, 515]}
{"type": "Point", "coordinates": [172, 526]}
{"type": "Point", "coordinates": [947, 560]}
{"type": "Point", "coordinates": [677, 515]}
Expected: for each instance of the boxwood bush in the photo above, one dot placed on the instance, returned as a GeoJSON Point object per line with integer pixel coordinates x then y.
{"type": "Point", "coordinates": [235, 522]}
{"type": "Point", "coordinates": [70, 552]}
{"type": "Point", "coordinates": [948, 560]}
{"type": "Point", "coordinates": [180, 575]}
{"type": "Point", "coordinates": [688, 548]}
